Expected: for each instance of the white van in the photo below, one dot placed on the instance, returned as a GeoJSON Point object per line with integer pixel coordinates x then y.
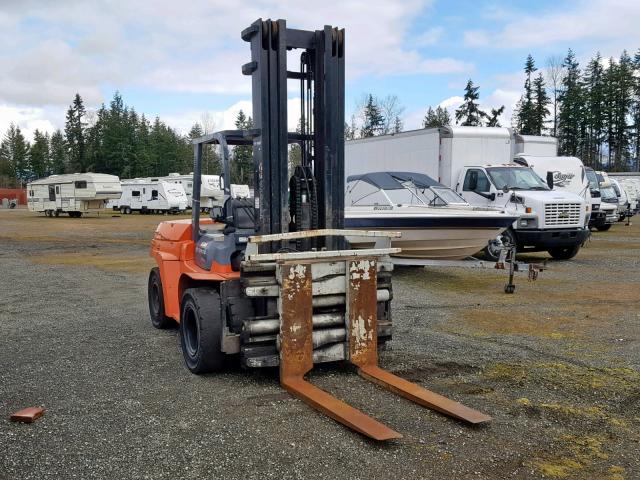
{"type": "Point", "coordinates": [150, 196]}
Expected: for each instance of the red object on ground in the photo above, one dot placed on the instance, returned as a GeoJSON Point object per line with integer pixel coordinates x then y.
{"type": "Point", "coordinates": [27, 415]}
{"type": "Point", "coordinates": [19, 194]}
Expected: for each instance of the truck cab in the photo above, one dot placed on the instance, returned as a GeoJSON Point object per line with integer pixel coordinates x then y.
{"type": "Point", "coordinates": [550, 220]}
{"type": "Point", "coordinates": [609, 203]}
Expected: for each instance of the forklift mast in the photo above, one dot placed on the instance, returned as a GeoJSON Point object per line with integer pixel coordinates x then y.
{"type": "Point", "coordinates": [321, 137]}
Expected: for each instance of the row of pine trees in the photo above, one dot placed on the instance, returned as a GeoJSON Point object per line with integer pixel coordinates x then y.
{"type": "Point", "coordinates": [115, 140]}
{"type": "Point", "coordinates": [593, 111]}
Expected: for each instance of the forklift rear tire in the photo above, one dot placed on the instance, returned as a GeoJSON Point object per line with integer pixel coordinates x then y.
{"type": "Point", "coordinates": [564, 253]}
{"type": "Point", "coordinates": [201, 330]}
{"type": "Point", "coordinates": [156, 301]}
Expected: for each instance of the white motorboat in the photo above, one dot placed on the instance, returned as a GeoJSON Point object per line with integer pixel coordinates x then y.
{"type": "Point", "coordinates": [435, 222]}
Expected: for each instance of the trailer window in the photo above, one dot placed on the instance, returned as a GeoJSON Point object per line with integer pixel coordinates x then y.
{"type": "Point", "coordinates": [52, 193]}
{"type": "Point", "coordinates": [135, 193]}
{"type": "Point", "coordinates": [57, 189]}
{"type": "Point", "coordinates": [81, 184]}
{"type": "Point", "coordinates": [479, 178]}
{"type": "Point", "coordinates": [154, 194]}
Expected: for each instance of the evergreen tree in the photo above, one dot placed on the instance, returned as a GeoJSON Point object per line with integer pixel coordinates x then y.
{"type": "Point", "coordinates": [373, 119]}
{"type": "Point", "coordinates": [540, 106]}
{"type": "Point", "coordinates": [436, 118]}
{"type": "Point", "coordinates": [39, 154]}
{"type": "Point", "coordinates": [75, 132]}
{"type": "Point", "coordinates": [571, 101]}
{"type": "Point", "coordinates": [623, 88]}
{"type": "Point", "coordinates": [469, 113]}
{"type": "Point", "coordinates": [527, 117]}
{"type": "Point", "coordinates": [58, 153]}
{"type": "Point", "coordinates": [242, 164]}
{"type": "Point", "coordinates": [14, 150]}
{"type": "Point", "coordinates": [635, 112]}
{"type": "Point", "coordinates": [594, 111]}
{"type": "Point", "coordinates": [493, 119]}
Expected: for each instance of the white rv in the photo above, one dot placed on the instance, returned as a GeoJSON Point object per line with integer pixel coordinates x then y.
{"type": "Point", "coordinates": [609, 200]}
{"type": "Point", "coordinates": [74, 193]}
{"type": "Point", "coordinates": [477, 163]}
{"type": "Point", "coordinates": [150, 196]}
{"type": "Point", "coordinates": [211, 189]}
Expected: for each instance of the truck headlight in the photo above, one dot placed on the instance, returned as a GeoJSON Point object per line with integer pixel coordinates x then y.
{"type": "Point", "coordinates": [530, 222]}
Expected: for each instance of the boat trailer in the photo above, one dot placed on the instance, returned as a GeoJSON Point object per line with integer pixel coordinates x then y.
{"type": "Point", "coordinates": [507, 262]}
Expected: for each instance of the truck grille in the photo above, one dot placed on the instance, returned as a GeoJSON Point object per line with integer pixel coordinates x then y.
{"type": "Point", "coordinates": [562, 213]}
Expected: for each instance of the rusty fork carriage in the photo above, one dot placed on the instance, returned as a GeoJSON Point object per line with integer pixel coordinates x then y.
{"type": "Point", "coordinates": [305, 279]}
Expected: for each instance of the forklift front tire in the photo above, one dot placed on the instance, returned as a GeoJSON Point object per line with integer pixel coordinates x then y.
{"type": "Point", "coordinates": [201, 330]}
{"type": "Point", "coordinates": [156, 301]}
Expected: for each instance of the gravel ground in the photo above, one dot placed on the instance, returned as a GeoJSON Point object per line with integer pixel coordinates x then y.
{"type": "Point", "coordinates": [557, 365]}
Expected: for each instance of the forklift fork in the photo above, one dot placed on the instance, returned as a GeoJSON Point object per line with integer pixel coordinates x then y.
{"type": "Point", "coordinates": [296, 349]}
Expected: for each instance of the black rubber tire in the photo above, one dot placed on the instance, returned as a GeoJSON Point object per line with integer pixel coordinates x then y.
{"type": "Point", "coordinates": [604, 228]}
{"type": "Point", "coordinates": [201, 330]}
{"type": "Point", "coordinates": [57, 213]}
{"type": "Point", "coordinates": [507, 237]}
{"type": "Point", "coordinates": [564, 253]}
{"type": "Point", "coordinates": [156, 301]}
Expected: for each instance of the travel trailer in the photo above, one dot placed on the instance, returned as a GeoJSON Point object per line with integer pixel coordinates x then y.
{"type": "Point", "coordinates": [476, 162]}
{"type": "Point", "coordinates": [146, 195]}
{"type": "Point", "coordinates": [624, 202]}
{"type": "Point", "coordinates": [212, 189]}
{"type": "Point", "coordinates": [73, 194]}
{"type": "Point", "coordinates": [211, 194]}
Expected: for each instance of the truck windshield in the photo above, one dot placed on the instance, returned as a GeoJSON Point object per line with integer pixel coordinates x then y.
{"type": "Point", "coordinates": [594, 184]}
{"type": "Point", "coordinates": [516, 178]}
{"type": "Point", "coordinates": [608, 194]}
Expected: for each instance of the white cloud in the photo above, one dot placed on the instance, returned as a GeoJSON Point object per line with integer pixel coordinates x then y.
{"type": "Point", "coordinates": [68, 46]}
{"type": "Point", "coordinates": [610, 22]}
{"type": "Point", "coordinates": [29, 119]}
{"type": "Point", "coordinates": [429, 37]}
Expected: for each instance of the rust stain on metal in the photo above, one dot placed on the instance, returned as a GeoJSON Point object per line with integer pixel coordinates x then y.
{"type": "Point", "coordinates": [362, 298]}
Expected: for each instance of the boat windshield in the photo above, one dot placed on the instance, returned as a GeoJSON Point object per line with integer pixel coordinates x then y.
{"type": "Point", "coordinates": [361, 193]}
{"type": "Point", "coordinates": [516, 178]}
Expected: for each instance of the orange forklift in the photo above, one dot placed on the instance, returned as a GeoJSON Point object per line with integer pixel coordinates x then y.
{"type": "Point", "coordinates": [271, 281]}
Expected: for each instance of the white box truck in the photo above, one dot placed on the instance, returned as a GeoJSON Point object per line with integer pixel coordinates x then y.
{"type": "Point", "coordinates": [477, 163]}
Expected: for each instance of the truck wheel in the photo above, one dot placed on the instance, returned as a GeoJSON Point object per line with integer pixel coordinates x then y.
{"type": "Point", "coordinates": [57, 213]}
{"type": "Point", "coordinates": [201, 330]}
{"type": "Point", "coordinates": [156, 301]}
{"type": "Point", "coordinates": [492, 251]}
{"type": "Point", "coordinates": [564, 253]}
{"type": "Point", "coordinates": [603, 228]}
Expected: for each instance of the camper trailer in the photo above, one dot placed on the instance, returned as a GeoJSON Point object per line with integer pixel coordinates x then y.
{"type": "Point", "coordinates": [477, 162]}
{"type": "Point", "coordinates": [211, 189]}
{"type": "Point", "coordinates": [73, 194]}
{"type": "Point", "coordinates": [146, 195]}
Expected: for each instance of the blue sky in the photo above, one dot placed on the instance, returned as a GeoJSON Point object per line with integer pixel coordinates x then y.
{"type": "Point", "coordinates": [181, 60]}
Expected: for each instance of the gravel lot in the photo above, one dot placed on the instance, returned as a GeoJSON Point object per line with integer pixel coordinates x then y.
{"type": "Point", "coordinates": [557, 365]}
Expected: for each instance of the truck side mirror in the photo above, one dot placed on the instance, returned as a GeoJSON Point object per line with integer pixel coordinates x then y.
{"type": "Point", "coordinates": [550, 180]}
{"type": "Point", "coordinates": [492, 196]}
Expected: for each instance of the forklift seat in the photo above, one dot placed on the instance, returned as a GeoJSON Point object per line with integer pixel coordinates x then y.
{"type": "Point", "coordinates": [239, 213]}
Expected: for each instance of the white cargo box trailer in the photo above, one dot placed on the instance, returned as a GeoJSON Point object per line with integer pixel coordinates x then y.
{"type": "Point", "coordinates": [74, 193]}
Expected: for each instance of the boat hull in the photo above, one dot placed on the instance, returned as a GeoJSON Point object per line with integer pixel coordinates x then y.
{"type": "Point", "coordinates": [434, 238]}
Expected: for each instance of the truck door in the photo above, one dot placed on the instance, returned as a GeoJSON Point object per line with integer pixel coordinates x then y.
{"type": "Point", "coordinates": [476, 187]}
